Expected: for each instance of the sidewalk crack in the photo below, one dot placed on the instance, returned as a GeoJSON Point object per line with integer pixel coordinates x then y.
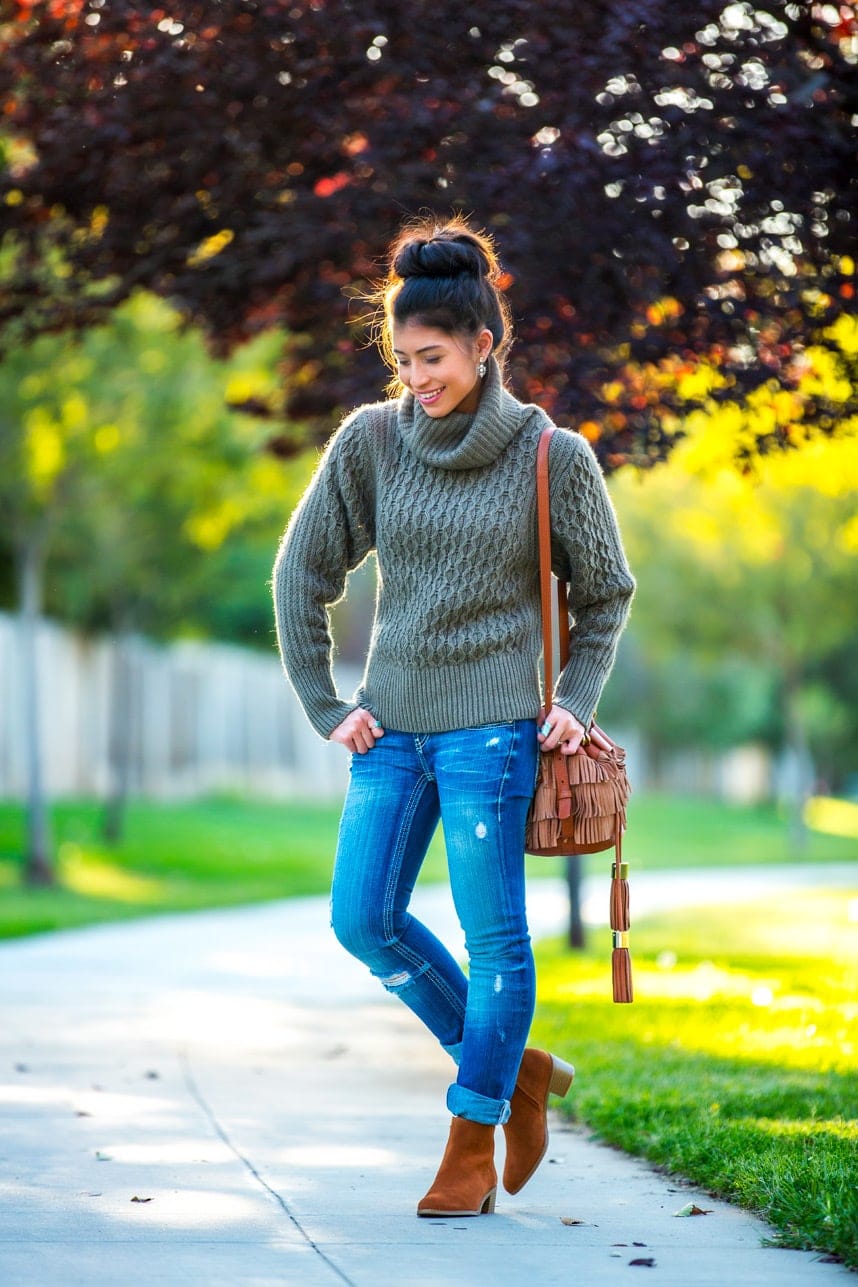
{"type": "Point", "coordinates": [222, 1134]}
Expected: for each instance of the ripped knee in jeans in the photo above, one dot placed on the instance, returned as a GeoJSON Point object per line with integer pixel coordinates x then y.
{"type": "Point", "coordinates": [396, 982]}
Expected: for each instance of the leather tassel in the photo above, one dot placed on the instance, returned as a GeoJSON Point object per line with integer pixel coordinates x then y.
{"type": "Point", "coordinates": [621, 961]}
{"type": "Point", "coordinates": [619, 896]}
{"type": "Point", "coordinates": [621, 972]}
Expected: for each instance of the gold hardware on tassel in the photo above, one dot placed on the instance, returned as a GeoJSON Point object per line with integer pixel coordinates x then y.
{"type": "Point", "coordinates": [621, 938]}
{"type": "Point", "coordinates": [622, 874]}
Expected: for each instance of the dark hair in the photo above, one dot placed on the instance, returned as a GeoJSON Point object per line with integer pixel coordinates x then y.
{"type": "Point", "coordinates": [446, 276]}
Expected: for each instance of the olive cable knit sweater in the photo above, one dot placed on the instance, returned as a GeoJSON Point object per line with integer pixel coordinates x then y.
{"type": "Point", "coordinates": [449, 505]}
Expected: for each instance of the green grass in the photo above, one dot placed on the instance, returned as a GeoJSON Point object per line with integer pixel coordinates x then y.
{"type": "Point", "coordinates": [227, 851]}
{"type": "Point", "coordinates": [176, 857]}
{"type": "Point", "coordinates": [737, 1064]}
{"type": "Point", "coordinates": [677, 831]}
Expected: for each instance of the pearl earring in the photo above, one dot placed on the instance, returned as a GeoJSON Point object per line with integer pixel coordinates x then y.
{"type": "Point", "coordinates": [481, 368]}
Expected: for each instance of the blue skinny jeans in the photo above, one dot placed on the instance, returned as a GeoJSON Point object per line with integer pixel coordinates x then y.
{"type": "Point", "coordinates": [478, 782]}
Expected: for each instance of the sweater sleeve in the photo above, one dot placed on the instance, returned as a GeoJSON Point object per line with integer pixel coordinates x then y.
{"type": "Point", "coordinates": [330, 532]}
{"type": "Point", "coordinates": [587, 552]}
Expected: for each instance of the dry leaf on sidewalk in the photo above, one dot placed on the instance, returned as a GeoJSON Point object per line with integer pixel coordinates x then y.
{"type": "Point", "coordinates": [693, 1209]}
{"type": "Point", "coordinates": [136, 1199]}
{"type": "Point", "coordinates": [569, 1220]}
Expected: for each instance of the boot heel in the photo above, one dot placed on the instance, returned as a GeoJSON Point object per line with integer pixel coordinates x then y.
{"type": "Point", "coordinates": [562, 1076]}
{"type": "Point", "coordinates": [489, 1202]}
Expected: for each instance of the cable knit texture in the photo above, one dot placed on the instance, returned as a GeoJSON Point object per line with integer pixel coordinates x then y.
{"type": "Point", "coordinates": [449, 506]}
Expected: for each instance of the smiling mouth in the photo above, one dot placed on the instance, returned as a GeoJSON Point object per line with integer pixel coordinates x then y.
{"type": "Point", "coordinates": [431, 396]}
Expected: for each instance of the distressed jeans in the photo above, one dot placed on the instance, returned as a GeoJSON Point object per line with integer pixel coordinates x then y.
{"type": "Point", "coordinates": [478, 782]}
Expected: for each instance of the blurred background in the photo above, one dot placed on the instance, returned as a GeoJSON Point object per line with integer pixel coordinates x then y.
{"type": "Point", "coordinates": [193, 209]}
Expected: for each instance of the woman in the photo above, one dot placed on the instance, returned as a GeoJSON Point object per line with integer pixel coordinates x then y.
{"type": "Point", "coordinates": [441, 483]}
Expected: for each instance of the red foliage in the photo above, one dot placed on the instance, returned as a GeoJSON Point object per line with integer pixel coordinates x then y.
{"type": "Point", "coordinates": [623, 155]}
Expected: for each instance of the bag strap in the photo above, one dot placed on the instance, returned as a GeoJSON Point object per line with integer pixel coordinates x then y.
{"type": "Point", "coordinates": [543, 513]}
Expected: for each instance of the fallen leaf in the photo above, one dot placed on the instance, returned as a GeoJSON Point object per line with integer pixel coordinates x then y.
{"type": "Point", "coordinates": [136, 1199]}
{"type": "Point", "coordinates": [648, 1262]}
{"type": "Point", "coordinates": [81, 1112]}
{"type": "Point", "coordinates": [103, 1157]}
{"type": "Point", "coordinates": [569, 1220]}
{"type": "Point", "coordinates": [638, 1244]}
{"type": "Point", "coordinates": [692, 1209]}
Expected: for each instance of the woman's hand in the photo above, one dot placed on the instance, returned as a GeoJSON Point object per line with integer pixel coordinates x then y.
{"type": "Point", "coordinates": [358, 732]}
{"type": "Point", "coordinates": [560, 728]}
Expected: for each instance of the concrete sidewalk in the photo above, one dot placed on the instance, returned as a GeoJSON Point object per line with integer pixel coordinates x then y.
{"type": "Point", "coordinates": [226, 1097]}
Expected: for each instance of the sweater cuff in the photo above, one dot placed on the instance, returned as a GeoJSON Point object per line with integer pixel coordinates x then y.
{"type": "Point", "coordinates": [321, 705]}
{"type": "Point", "coordinates": [325, 723]}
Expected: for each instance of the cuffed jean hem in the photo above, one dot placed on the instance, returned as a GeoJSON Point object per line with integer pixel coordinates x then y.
{"type": "Point", "coordinates": [455, 1052]}
{"type": "Point", "coordinates": [462, 1102]}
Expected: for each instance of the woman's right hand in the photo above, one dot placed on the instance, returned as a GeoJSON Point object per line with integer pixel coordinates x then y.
{"type": "Point", "coordinates": [358, 732]}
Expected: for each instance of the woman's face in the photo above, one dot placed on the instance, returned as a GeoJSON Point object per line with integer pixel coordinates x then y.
{"type": "Point", "coordinates": [440, 369]}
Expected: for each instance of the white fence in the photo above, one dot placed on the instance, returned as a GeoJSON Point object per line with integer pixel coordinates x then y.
{"type": "Point", "coordinates": [202, 717]}
{"type": "Point", "coordinates": [198, 717]}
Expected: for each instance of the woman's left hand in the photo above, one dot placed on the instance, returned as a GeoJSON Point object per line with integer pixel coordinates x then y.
{"type": "Point", "coordinates": [560, 728]}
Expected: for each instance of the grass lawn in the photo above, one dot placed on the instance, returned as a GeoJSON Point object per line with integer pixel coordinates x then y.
{"type": "Point", "coordinates": [737, 1064]}
{"type": "Point", "coordinates": [226, 851]}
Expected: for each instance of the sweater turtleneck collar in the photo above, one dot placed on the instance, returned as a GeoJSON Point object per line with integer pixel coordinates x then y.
{"type": "Point", "coordinates": [463, 440]}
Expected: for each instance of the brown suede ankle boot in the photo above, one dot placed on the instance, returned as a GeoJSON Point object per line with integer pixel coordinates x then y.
{"type": "Point", "coordinates": [466, 1182]}
{"type": "Point", "coordinates": [526, 1132]}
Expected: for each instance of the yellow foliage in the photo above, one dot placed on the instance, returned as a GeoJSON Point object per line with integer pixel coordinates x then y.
{"type": "Point", "coordinates": [107, 438]}
{"type": "Point", "coordinates": [848, 536]}
{"type": "Point", "coordinates": [74, 411]}
{"type": "Point", "coordinates": [99, 220]}
{"type": "Point", "coordinates": [44, 449]}
{"type": "Point", "coordinates": [694, 385]}
{"type": "Point", "coordinates": [844, 331]}
{"type": "Point", "coordinates": [209, 247]}
{"type": "Point", "coordinates": [210, 529]}
{"type": "Point", "coordinates": [823, 377]}
{"type": "Point", "coordinates": [243, 385]}
{"type": "Point", "coordinates": [828, 466]}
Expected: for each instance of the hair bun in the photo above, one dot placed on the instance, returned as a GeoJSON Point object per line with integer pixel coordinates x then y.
{"type": "Point", "coordinates": [441, 256]}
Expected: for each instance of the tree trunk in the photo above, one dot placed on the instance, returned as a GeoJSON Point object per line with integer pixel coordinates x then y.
{"type": "Point", "coordinates": [38, 860]}
{"type": "Point", "coordinates": [119, 751]}
{"type": "Point", "coordinates": [573, 884]}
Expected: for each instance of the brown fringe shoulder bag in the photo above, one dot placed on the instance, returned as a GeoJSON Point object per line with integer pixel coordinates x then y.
{"type": "Point", "coordinates": [579, 806]}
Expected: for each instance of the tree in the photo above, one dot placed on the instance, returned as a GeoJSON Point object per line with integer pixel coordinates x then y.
{"type": "Point", "coordinates": [121, 463]}
{"type": "Point", "coordinates": [47, 440]}
{"type": "Point", "coordinates": [757, 571]}
{"type": "Point", "coordinates": [664, 181]}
